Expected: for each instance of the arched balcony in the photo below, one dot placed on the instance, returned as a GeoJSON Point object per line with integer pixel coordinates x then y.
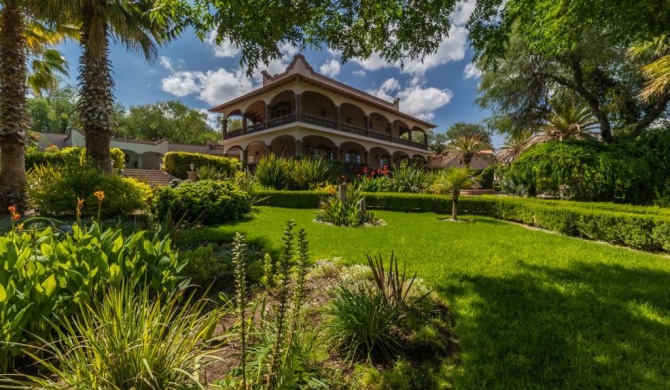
{"type": "Point", "coordinates": [314, 108]}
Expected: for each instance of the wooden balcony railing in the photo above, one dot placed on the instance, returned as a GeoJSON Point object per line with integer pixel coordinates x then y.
{"type": "Point", "coordinates": [322, 122]}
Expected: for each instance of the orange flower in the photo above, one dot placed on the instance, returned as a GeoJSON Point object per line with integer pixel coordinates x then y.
{"type": "Point", "coordinates": [100, 195]}
{"type": "Point", "coordinates": [12, 209]}
{"type": "Point", "coordinates": [16, 217]}
{"type": "Point", "coordinates": [80, 203]}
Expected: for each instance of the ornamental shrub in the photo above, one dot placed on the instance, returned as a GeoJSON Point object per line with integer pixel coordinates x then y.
{"type": "Point", "coordinates": [204, 201]}
{"type": "Point", "coordinates": [69, 156]}
{"type": "Point", "coordinates": [275, 172]}
{"type": "Point", "coordinates": [54, 191]}
{"type": "Point", "coordinates": [178, 164]}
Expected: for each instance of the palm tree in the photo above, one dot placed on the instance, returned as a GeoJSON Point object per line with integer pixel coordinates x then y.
{"type": "Point", "coordinates": [465, 147]}
{"type": "Point", "coordinates": [46, 63]}
{"type": "Point", "coordinates": [569, 118]}
{"type": "Point", "coordinates": [13, 112]}
{"type": "Point", "coordinates": [126, 21]}
{"type": "Point", "coordinates": [452, 181]}
{"type": "Point", "coordinates": [515, 144]}
{"type": "Point", "coordinates": [21, 38]}
{"type": "Point", "coordinates": [656, 72]}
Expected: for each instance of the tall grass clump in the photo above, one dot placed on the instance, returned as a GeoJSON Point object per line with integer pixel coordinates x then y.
{"type": "Point", "coordinates": [410, 178]}
{"type": "Point", "coordinates": [129, 341]}
{"type": "Point", "coordinates": [274, 172]}
{"type": "Point", "coordinates": [309, 172]}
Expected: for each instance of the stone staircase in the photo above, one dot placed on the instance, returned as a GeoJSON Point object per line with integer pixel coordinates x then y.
{"type": "Point", "coordinates": [153, 177]}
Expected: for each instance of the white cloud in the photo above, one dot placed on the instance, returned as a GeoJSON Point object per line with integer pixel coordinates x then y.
{"type": "Point", "coordinates": [225, 49]}
{"type": "Point", "coordinates": [462, 12]}
{"type": "Point", "coordinates": [472, 71]}
{"type": "Point", "coordinates": [212, 118]}
{"type": "Point", "coordinates": [213, 87]}
{"type": "Point", "coordinates": [180, 84]}
{"type": "Point", "coordinates": [330, 68]}
{"type": "Point", "coordinates": [359, 73]}
{"type": "Point", "coordinates": [166, 63]}
{"type": "Point", "coordinates": [450, 49]}
{"type": "Point", "coordinates": [414, 98]}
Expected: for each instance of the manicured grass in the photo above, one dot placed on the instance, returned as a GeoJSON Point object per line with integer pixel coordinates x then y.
{"type": "Point", "coordinates": [533, 310]}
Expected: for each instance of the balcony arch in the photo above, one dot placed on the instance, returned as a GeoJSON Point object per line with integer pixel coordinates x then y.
{"type": "Point", "coordinates": [352, 115]}
{"type": "Point", "coordinates": [399, 157]}
{"type": "Point", "coordinates": [318, 105]}
{"type": "Point", "coordinates": [353, 152]}
{"type": "Point", "coordinates": [255, 112]}
{"type": "Point", "coordinates": [379, 123]}
{"type": "Point", "coordinates": [400, 128]}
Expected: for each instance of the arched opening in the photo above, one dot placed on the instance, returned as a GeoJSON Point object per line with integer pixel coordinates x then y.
{"type": "Point", "coordinates": [379, 124]}
{"type": "Point", "coordinates": [380, 158]}
{"type": "Point", "coordinates": [352, 115]}
{"type": "Point", "coordinates": [283, 146]}
{"type": "Point", "coordinates": [233, 124]}
{"type": "Point", "coordinates": [151, 160]}
{"type": "Point", "coordinates": [255, 151]}
{"type": "Point", "coordinates": [353, 153]}
{"type": "Point", "coordinates": [401, 129]}
{"type": "Point", "coordinates": [318, 105]}
{"type": "Point", "coordinates": [234, 152]}
{"type": "Point", "coordinates": [400, 158]}
{"type": "Point", "coordinates": [419, 160]}
{"type": "Point", "coordinates": [132, 159]}
{"type": "Point", "coordinates": [255, 113]}
{"type": "Point", "coordinates": [282, 104]}
{"type": "Point", "coordinates": [419, 135]}
{"type": "Point", "coordinates": [317, 146]}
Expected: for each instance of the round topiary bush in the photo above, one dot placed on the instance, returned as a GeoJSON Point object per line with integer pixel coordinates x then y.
{"type": "Point", "coordinates": [205, 201]}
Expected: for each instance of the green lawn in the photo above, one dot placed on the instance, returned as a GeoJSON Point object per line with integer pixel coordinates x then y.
{"type": "Point", "coordinates": [533, 310]}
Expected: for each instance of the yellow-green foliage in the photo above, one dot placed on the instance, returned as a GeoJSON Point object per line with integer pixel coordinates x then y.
{"type": "Point", "coordinates": [70, 155]}
{"type": "Point", "coordinates": [54, 191]}
{"type": "Point", "coordinates": [178, 164]}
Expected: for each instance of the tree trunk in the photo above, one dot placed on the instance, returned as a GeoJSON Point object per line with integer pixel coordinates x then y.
{"type": "Point", "coordinates": [13, 112]}
{"type": "Point", "coordinates": [454, 205]}
{"type": "Point", "coordinates": [96, 102]}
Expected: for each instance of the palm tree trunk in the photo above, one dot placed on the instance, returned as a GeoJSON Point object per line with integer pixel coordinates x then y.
{"type": "Point", "coordinates": [13, 112]}
{"type": "Point", "coordinates": [96, 101]}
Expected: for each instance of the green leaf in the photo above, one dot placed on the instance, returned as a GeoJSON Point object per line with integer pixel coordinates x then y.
{"type": "Point", "coordinates": [50, 285]}
{"type": "Point", "coordinates": [3, 294]}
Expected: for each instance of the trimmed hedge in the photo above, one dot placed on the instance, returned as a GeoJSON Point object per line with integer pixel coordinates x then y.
{"type": "Point", "coordinates": [617, 224]}
{"type": "Point", "coordinates": [178, 164]}
{"type": "Point", "coordinates": [70, 155]}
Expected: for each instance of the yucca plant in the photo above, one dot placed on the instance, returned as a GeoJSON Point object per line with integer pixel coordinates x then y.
{"type": "Point", "coordinates": [393, 282]}
{"type": "Point", "coordinates": [408, 178]}
{"type": "Point", "coordinates": [129, 341]}
{"type": "Point", "coordinates": [208, 172]}
{"type": "Point", "coordinates": [309, 172]}
{"type": "Point", "coordinates": [274, 172]}
{"type": "Point", "coordinates": [345, 212]}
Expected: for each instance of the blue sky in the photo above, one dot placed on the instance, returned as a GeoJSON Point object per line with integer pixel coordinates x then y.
{"type": "Point", "coordinates": [442, 89]}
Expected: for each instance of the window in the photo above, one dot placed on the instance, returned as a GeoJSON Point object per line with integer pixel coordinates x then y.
{"type": "Point", "coordinates": [384, 161]}
{"type": "Point", "coordinates": [323, 151]}
{"type": "Point", "coordinates": [281, 109]}
{"type": "Point", "coordinates": [352, 156]}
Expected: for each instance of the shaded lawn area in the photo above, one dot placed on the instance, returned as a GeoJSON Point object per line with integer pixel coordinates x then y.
{"type": "Point", "coordinates": [533, 310]}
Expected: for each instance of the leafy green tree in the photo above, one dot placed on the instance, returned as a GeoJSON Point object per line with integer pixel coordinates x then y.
{"type": "Point", "coordinates": [436, 141]}
{"type": "Point", "coordinates": [171, 121]}
{"type": "Point", "coordinates": [463, 129]}
{"type": "Point", "coordinates": [55, 112]}
{"type": "Point", "coordinates": [395, 29]}
{"type": "Point", "coordinates": [600, 73]}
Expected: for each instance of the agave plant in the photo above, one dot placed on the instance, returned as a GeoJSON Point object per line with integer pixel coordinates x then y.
{"type": "Point", "coordinates": [309, 172]}
{"type": "Point", "coordinates": [274, 172]}
{"type": "Point", "coordinates": [409, 179]}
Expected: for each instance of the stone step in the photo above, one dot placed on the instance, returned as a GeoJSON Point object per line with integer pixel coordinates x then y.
{"type": "Point", "coordinates": [153, 177]}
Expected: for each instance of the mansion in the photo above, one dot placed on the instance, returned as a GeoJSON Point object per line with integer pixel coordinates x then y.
{"type": "Point", "coordinates": [302, 113]}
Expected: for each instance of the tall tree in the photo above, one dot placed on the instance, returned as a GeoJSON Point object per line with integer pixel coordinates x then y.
{"type": "Point", "coordinates": [171, 121]}
{"type": "Point", "coordinates": [13, 118]}
{"type": "Point", "coordinates": [521, 84]}
{"type": "Point", "coordinates": [55, 112]}
{"type": "Point", "coordinates": [463, 129]}
{"type": "Point", "coordinates": [126, 21]}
